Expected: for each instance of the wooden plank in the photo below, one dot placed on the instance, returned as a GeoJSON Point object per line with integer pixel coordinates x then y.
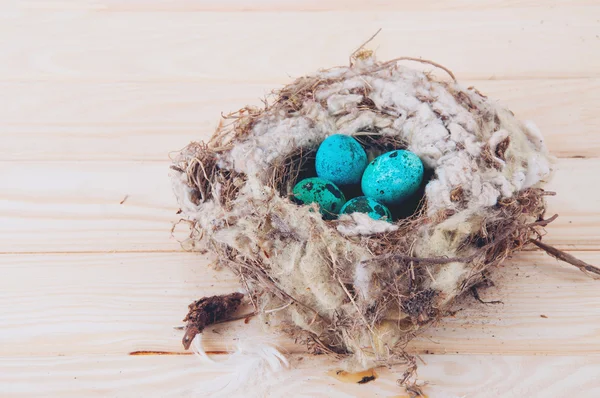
{"type": "Point", "coordinates": [147, 120]}
{"type": "Point", "coordinates": [96, 95]}
{"type": "Point", "coordinates": [577, 203]}
{"type": "Point", "coordinates": [477, 44]}
{"type": "Point", "coordinates": [114, 121]}
{"type": "Point", "coordinates": [75, 207]}
{"type": "Point", "coordinates": [558, 107]}
{"type": "Point", "coordinates": [447, 376]}
{"type": "Point", "coordinates": [106, 303]}
{"type": "Point", "coordinates": [66, 206]}
{"type": "Point", "coordinates": [71, 304]}
{"type": "Point", "coordinates": [544, 305]}
{"type": "Point", "coordinates": [291, 6]}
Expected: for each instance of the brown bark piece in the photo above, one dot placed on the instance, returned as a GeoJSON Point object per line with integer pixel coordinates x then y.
{"type": "Point", "coordinates": [208, 311]}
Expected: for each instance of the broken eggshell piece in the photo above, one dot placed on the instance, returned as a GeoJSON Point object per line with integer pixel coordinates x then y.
{"type": "Point", "coordinates": [371, 207]}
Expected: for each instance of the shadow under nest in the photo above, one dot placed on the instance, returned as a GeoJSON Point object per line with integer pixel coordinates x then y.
{"type": "Point", "coordinates": [376, 291]}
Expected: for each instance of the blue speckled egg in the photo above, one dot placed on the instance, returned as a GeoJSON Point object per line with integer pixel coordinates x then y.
{"type": "Point", "coordinates": [393, 177]}
{"type": "Point", "coordinates": [341, 160]}
{"type": "Point", "coordinates": [373, 208]}
{"type": "Point", "coordinates": [318, 190]}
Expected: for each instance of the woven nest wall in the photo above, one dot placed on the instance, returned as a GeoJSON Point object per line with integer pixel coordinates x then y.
{"type": "Point", "coordinates": [355, 287]}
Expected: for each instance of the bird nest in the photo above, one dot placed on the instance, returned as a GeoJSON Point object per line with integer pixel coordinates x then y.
{"type": "Point", "coordinates": [355, 287]}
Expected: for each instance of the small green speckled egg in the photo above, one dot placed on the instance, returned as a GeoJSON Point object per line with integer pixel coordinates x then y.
{"type": "Point", "coordinates": [341, 160]}
{"type": "Point", "coordinates": [318, 190]}
{"type": "Point", "coordinates": [393, 177]}
{"type": "Point", "coordinates": [373, 208]}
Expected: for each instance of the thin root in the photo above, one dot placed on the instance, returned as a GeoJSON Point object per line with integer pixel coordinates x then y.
{"type": "Point", "coordinates": [588, 269]}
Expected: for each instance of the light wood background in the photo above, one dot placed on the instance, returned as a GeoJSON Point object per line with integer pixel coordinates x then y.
{"type": "Point", "coordinates": [95, 94]}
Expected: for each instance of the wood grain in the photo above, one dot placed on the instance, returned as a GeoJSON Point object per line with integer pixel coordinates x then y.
{"type": "Point", "coordinates": [67, 304]}
{"type": "Point", "coordinates": [447, 375]}
{"type": "Point", "coordinates": [95, 93]}
{"type": "Point", "coordinates": [75, 207]}
{"type": "Point", "coordinates": [83, 45]}
{"type": "Point", "coordinates": [147, 120]}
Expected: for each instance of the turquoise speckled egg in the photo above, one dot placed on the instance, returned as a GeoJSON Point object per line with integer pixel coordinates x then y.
{"type": "Point", "coordinates": [373, 208]}
{"type": "Point", "coordinates": [318, 190]}
{"type": "Point", "coordinates": [393, 177]}
{"type": "Point", "coordinates": [341, 160]}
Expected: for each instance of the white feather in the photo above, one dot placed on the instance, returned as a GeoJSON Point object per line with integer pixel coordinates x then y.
{"type": "Point", "coordinates": [251, 371]}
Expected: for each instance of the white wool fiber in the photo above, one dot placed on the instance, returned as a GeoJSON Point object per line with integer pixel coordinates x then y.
{"type": "Point", "coordinates": [314, 273]}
